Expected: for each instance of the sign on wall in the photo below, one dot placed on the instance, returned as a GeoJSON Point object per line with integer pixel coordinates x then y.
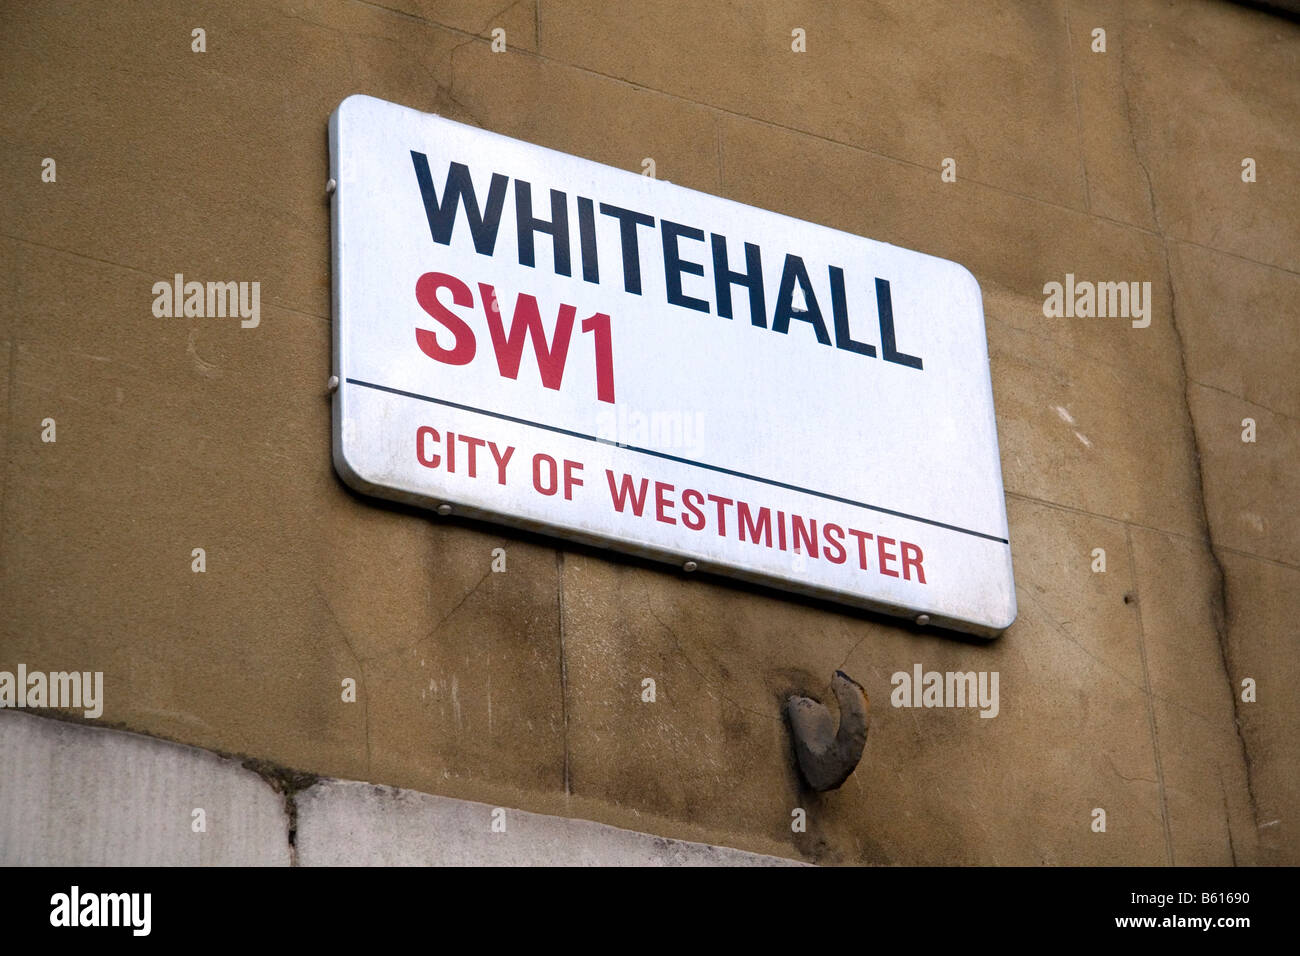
{"type": "Point", "coordinates": [536, 339]}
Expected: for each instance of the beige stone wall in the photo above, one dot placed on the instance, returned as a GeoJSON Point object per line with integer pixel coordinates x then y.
{"type": "Point", "coordinates": [1118, 690]}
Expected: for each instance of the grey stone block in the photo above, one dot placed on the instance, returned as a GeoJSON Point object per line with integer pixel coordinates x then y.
{"type": "Point", "coordinates": [73, 795]}
{"type": "Point", "coordinates": [346, 823]}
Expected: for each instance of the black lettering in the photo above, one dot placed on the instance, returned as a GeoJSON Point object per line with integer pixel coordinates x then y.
{"type": "Point", "coordinates": [442, 217]}
{"type": "Point", "coordinates": [587, 238]}
{"type": "Point", "coordinates": [885, 306]}
{"type": "Point", "coordinates": [843, 340]}
{"type": "Point", "coordinates": [674, 265]}
{"type": "Point", "coordinates": [557, 228]}
{"type": "Point", "coordinates": [795, 272]}
{"type": "Point", "coordinates": [627, 223]}
{"type": "Point", "coordinates": [751, 279]}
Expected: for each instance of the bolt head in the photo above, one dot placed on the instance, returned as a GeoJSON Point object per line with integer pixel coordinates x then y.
{"type": "Point", "coordinates": [444, 509]}
{"type": "Point", "coordinates": [690, 566]}
{"type": "Point", "coordinates": [923, 619]}
{"type": "Point", "coordinates": [330, 186]}
{"type": "Point", "coordinates": [333, 384]}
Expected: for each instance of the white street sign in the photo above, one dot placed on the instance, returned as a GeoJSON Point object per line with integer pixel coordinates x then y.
{"type": "Point", "coordinates": [537, 339]}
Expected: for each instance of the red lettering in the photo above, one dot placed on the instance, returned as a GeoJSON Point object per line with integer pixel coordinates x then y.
{"type": "Point", "coordinates": [661, 501]}
{"type": "Point", "coordinates": [527, 323]}
{"type": "Point", "coordinates": [862, 537]}
{"type": "Point", "coordinates": [473, 444]}
{"type": "Point", "coordinates": [603, 344]}
{"type": "Point", "coordinates": [571, 480]}
{"type": "Point", "coordinates": [746, 522]}
{"type": "Point", "coordinates": [625, 490]}
{"type": "Point", "coordinates": [693, 508]}
{"type": "Point", "coordinates": [426, 293]}
{"type": "Point", "coordinates": [804, 535]}
{"type": "Point", "coordinates": [835, 539]}
{"type": "Point", "coordinates": [420, 433]}
{"type": "Point", "coordinates": [885, 556]}
{"type": "Point", "coordinates": [538, 459]}
{"type": "Point", "coordinates": [912, 557]}
{"type": "Point", "coordinates": [722, 513]}
{"type": "Point", "coordinates": [502, 460]}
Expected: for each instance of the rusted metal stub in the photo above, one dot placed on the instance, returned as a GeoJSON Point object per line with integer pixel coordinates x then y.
{"type": "Point", "coordinates": [828, 756]}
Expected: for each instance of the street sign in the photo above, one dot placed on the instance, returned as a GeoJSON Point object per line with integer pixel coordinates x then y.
{"type": "Point", "coordinates": [536, 339]}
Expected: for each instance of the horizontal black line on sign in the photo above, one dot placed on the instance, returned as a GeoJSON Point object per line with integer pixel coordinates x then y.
{"type": "Point", "coordinates": [679, 460]}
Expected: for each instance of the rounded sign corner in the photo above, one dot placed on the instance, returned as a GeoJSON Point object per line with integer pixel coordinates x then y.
{"type": "Point", "coordinates": [350, 474]}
